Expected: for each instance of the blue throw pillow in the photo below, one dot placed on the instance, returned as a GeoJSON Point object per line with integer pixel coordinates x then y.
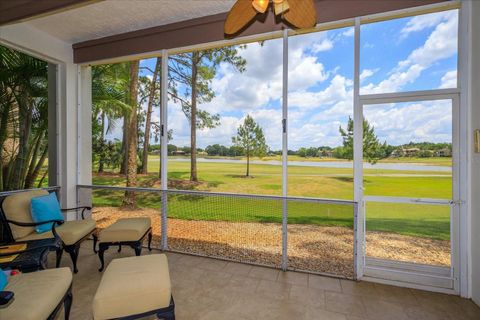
{"type": "Point", "coordinates": [3, 280]}
{"type": "Point", "coordinates": [45, 208]}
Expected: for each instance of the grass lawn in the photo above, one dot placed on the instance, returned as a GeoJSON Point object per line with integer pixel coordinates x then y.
{"type": "Point", "coordinates": [334, 183]}
{"type": "Point", "coordinates": [433, 161]}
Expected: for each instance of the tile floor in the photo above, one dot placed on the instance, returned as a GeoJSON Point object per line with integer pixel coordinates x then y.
{"type": "Point", "coordinates": [212, 289]}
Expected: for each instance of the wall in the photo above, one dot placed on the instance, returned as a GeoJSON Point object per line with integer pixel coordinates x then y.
{"type": "Point", "coordinates": [48, 48]}
{"type": "Point", "coordinates": [475, 159]}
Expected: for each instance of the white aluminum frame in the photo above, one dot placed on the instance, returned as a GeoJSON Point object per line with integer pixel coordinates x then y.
{"type": "Point", "coordinates": [358, 157]}
{"type": "Point", "coordinates": [427, 277]}
{"type": "Point", "coordinates": [465, 87]}
{"type": "Point", "coordinates": [358, 116]}
{"type": "Point", "coordinates": [285, 152]}
{"type": "Point", "coordinates": [164, 148]}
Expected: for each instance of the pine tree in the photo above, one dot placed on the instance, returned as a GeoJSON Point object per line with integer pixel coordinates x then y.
{"type": "Point", "coordinates": [251, 139]}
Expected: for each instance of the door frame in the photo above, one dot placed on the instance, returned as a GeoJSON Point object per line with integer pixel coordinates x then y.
{"type": "Point", "coordinates": [407, 274]}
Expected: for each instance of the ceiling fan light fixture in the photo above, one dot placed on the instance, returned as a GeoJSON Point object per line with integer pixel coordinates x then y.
{"type": "Point", "coordinates": [260, 5]}
{"type": "Point", "coordinates": [280, 6]}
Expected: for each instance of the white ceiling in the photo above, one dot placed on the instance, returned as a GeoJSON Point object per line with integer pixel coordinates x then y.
{"type": "Point", "coordinates": [111, 17]}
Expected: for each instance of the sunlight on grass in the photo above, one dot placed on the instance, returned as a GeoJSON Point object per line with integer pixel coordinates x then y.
{"type": "Point", "coordinates": [330, 183]}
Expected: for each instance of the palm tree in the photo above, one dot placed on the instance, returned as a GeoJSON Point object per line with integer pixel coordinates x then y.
{"type": "Point", "coordinates": [109, 100]}
{"type": "Point", "coordinates": [131, 124]}
{"type": "Point", "coordinates": [23, 118]}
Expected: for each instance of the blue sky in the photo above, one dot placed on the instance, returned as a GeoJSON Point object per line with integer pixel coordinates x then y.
{"type": "Point", "coordinates": [408, 54]}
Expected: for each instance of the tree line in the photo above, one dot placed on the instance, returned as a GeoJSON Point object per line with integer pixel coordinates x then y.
{"type": "Point", "coordinates": [124, 90]}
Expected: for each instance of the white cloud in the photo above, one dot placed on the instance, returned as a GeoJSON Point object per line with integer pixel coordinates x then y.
{"type": "Point", "coordinates": [441, 44]}
{"type": "Point", "coordinates": [315, 115]}
{"type": "Point", "coordinates": [367, 73]}
{"type": "Point", "coordinates": [304, 72]}
{"type": "Point", "coordinates": [315, 135]}
{"type": "Point", "coordinates": [405, 122]}
{"type": "Point", "coordinates": [419, 23]}
{"type": "Point", "coordinates": [324, 45]}
{"type": "Point", "coordinates": [449, 80]}
{"type": "Point", "coordinates": [336, 91]}
{"type": "Point", "coordinates": [350, 32]}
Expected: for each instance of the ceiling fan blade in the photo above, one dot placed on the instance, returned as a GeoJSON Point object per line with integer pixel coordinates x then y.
{"type": "Point", "coordinates": [240, 15]}
{"type": "Point", "coordinates": [302, 14]}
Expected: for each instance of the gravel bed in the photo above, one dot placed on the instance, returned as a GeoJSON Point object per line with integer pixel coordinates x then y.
{"type": "Point", "coordinates": [310, 247]}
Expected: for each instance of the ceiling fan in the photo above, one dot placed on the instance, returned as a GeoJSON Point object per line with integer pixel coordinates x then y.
{"type": "Point", "coordinates": [300, 14]}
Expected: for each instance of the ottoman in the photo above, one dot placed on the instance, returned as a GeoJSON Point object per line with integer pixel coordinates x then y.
{"type": "Point", "coordinates": [128, 231]}
{"type": "Point", "coordinates": [135, 287]}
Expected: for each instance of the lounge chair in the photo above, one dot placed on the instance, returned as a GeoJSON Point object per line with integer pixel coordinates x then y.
{"type": "Point", "coordinates": [20, 227]}
{"type": "Point", "coordinates": [37, 295]}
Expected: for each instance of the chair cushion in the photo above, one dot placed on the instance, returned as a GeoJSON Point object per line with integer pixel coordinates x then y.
{"type": "Point", "coordinates": [131, 286]}
{"type": "Point", "coordinates": [37, 294]}
{"type": "Point", "coordinates": [17, 208]}
{"type": "Point", "coordinates": [128, 229]}
{"type": "Point", "coordinates": [3, 280]}
{"type": "Point", "coordinates": [46, 208]}
{"type": "Point", "coordinates": [70, 231]}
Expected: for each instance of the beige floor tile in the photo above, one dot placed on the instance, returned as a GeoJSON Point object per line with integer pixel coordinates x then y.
{"type": "Point", "coordinates": [243, 284]}
{"type": "Point", "coordinates": [308, 296]}
{"type": "Point", "coordinates": [426, 313]}
{"type": "Point", "coordinates": [360, 288]}
{"type": "Point", "coordinates": [213, 265]}
{"type": "Point", "coordinates": [396, 294]}
{"type": "Point", "coordinates": [273, 289]}
{"type": "Point", "coordinates": [325, 283]}
{"type": "Point", "coordinates": [469, 308]}
{"type": "Point", "coordinates": [273, 310]}
{"type": "Point", "coordinates": [344, 303]}
{"type": "Point", "coordinates": [263, 273]}
{"type": "Point", "coordinates": [383, 310]}
{"type": "Point", "coordinates": [447, 304]}
{"type": "Point", "coordinates": [219, 315]}
{"type": "Point", "coordinates": [321, 314]}
{"type": "Point", "coordinates": [295, 278]}
{"type": "Point", "coordinates": [246, 292]}
{"type": "Point", "coordinates": [238, 268]}
{"type": "Point", "coordinates": [191, 261]}
{"type": "Point", "coordinates": [350, 317]}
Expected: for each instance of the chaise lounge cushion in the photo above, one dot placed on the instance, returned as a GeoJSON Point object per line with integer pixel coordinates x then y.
{"type": "Point", "coordinates": [70, 231]}
{"type": "Point", "coordinates": [37, 294]}
{"type": "Point", "coordinates": [132, 286]}
{"type": "Point", "coordinates": [123, 230]}
{"type": "Point", "coordinates": [16, 207]}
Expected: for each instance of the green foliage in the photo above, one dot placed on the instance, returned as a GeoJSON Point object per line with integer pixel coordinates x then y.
{"type": "Point", "coordinates": [23, 119]}
{"type": "Point", "coordinates": [223, 151]}
{"type": "Point", "coordinates": [251, 140]}
{"type": "Point", "coordinates": [204, 64]}
{"type": "Point", "coordinates": [372, 148]}
{"type": "Point", "coordinates": [109, 104]}
{"type": "Point", "coordinates": [194, 72]}
{"type": "Point", "coordinates": [409, 219]}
